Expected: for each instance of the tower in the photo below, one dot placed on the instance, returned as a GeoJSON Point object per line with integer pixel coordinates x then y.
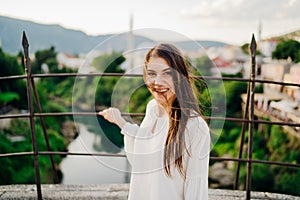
{"type": "Point", "coordinates": [259, 31]}
{"type": "Point", "coordinates": [130, 45]}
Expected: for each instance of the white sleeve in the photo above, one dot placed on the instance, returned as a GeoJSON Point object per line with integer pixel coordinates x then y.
{"type": "Point", "coordinates": [130, 131]}
{"type": "Point", "coordinates": [197, 164]}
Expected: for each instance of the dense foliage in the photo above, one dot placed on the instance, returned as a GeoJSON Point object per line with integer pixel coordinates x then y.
{"type": "Point", "coordinates": [17, 137]}
{"type": "Point", "coordinates": [20, 169]}
{"type": "Point", "coordinates": [13, 91]}
{"type": "Point", "coordinates": [287, 49]}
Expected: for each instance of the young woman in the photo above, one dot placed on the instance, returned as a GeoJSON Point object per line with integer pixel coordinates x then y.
{"type": "Point", "coordinates": [169, 151]}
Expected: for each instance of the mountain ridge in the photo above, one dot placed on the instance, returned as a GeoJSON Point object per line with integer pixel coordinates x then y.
{"type": "Point", "coordinates": [43, 36]}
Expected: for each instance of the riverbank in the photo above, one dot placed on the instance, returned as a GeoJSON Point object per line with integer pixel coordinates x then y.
{"type": "Point", "coordinates": [114, 191]}
{"type": "Point", "coordinates": [92, 169]}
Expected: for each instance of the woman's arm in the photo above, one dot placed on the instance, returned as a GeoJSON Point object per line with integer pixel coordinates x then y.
{"type": "Point", "coordinates": [113, 115]}
{"type": "Point", "coordinates": [130, 131]}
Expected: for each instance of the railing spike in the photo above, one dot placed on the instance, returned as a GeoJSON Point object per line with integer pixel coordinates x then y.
{"type": "Point", "coordinates": [253, 46]}
{"type": "Point", "coordinates": [25, 45]}
{"type": "Point", "coordinates": [24, 41]}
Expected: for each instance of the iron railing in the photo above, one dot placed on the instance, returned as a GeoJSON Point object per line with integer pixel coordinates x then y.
{"type": "Point", "coordinates": [248, 119]}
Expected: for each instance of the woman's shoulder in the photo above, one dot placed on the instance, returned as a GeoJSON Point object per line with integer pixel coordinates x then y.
{"type": "Point", "coordinates": [151, 103]}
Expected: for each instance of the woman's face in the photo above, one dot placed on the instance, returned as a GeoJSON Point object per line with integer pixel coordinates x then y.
{"type": "Point", "coordinates": [159, 80]}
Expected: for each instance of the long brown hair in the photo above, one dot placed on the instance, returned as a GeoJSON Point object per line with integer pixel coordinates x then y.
{"type": "Point", "coordinates": [182, 107]}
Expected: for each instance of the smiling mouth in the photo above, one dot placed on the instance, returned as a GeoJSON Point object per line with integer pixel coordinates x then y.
{"type": "Point", "coordinates": [161, 90]}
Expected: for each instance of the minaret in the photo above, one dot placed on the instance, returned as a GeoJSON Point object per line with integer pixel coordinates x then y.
{"type": "Point", "coordinates": [130, 45]}
{"type": "Point", "coordinates": [259, 31]}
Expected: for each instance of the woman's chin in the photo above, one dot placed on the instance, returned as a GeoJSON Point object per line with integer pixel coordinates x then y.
{"type": "Point", "coordinates": [162, 99]}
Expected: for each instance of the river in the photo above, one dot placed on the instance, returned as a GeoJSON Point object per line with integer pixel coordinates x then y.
{"type": "Point", "coordinates": [92, 169]}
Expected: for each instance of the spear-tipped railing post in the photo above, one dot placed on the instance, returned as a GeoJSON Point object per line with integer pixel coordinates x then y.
{"type": "Point", "coordinates": [244, 124]}
{"type": "Point", "coordinates": [251, 117]}
{"type": "Point", "coordinates": [56, 179]}
{"type": "Point", "coordinates": [31, 115]}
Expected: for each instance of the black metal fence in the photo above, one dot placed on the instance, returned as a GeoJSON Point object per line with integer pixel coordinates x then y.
{"type": "Point", "coordinates": [247, 120]}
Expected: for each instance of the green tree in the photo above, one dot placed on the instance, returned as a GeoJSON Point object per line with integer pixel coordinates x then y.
{"type": "Point", "coordinates": [262, 178]}
{"type": "Point", "coordinates": [12, 91]}
{"type": "Point", "coordinates": [19, 170]}
{"type": "Point", "coordinates": [47, 56]}
{"type": "Point", "coordinates": [288, 182]}
{"type": "Point", "coordinates": [105, 90]}
{"type": "Point", "coordinates": [6, 171]}
{"type": "Point", "coordinates": [286, 49]}
{"type": "Point", "coordinates": [245, 49]}
{"type": "Point", "coordinates": [203, 65]}
{"type": "Point", "coordinates": [109, 63]}
{"type": "Point", "coordinates": [233, 96]}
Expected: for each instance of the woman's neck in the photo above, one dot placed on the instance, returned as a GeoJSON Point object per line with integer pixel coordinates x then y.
{"type": "Point", "coordinates": [161, 111]}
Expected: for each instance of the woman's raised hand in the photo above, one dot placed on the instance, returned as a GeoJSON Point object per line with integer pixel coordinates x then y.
{"type": "Point", "coordinates": [113, 115]}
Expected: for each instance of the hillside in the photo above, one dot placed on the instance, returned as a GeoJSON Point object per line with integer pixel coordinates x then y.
{"type": "Point", "coordinates": [294, 35]}
{"type": "Point", "coordinates": [42, 36]}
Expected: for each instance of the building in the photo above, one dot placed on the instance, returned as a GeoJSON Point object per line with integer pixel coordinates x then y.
{"type": "Point", "coordinates": [280, 103]}
{"type": "Point", "coordinates": [266, 47]}
{"type": "Point", "coordinates": [274, 71]}
{"type": "Point", "coordinates": [82, 64]}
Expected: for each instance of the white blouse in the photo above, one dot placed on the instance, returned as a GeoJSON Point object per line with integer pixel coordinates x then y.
{"type": "Point", "coordinates": [144, 147]}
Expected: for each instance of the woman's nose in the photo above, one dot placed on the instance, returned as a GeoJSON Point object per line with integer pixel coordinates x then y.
{"type": "Point", "coordinates": [158, 80]}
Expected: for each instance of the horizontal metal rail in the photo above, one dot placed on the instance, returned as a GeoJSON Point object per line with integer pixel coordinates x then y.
{"type": "Point", "coordinates": [60, 153]}
{"type": "Point", "coordinates": [140, 75]}
{"type": "Point", "coordinates": [141, 115]}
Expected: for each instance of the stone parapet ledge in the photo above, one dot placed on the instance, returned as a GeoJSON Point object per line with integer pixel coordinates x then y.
{"type": "Point", "coordinates": [114, 192]}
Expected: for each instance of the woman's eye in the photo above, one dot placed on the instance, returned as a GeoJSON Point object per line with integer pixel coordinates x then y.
{"type": "Point", "coordinates": [151, 74]}
{"type": "Point", "coordinates": [168, 73]}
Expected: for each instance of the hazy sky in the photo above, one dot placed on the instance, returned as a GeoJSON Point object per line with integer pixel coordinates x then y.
{"type": "Point", "coordinates": [231, 21]}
